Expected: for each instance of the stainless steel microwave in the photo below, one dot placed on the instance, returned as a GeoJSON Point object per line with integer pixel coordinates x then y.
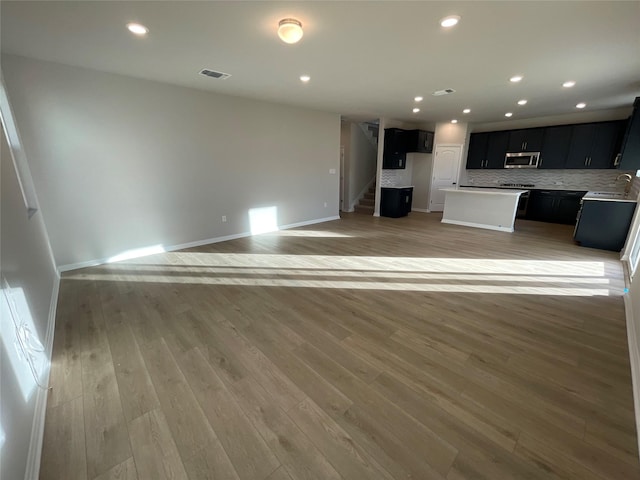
{"type": "Point", "coordinates": [522, 160]}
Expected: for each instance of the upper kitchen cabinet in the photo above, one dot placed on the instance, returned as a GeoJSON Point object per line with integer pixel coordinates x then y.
{"type": "Point", "coordinates": [630, 152]}
{"type": "Point", "coordinates": [477, 157]}
{"type": "Point", "coordinates": [419, 141]}
{"type": "Point", "coordinates": [394, 153]}
{"type": "Point", "coordinates": [593, 145]}
{"type": "Point", "coordinates": [497, 145]}
{"type": "Point", "coordinates": [526, 140]}
{"type": "Point", "coordinates": [555, 147]}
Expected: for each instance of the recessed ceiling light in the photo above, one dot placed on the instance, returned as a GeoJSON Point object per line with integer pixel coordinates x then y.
{"type": "Point", "coordinates": [508, 114]}
{"type": "Point", "coordinates": [290, 30]}
{"type": "Point", "coordinates": [305, 78]}
{"type": "Point", "coordinates": [516, 78]}
{"type": "Point", "coordinates": [522, 102]}
{"type": "Point", "coordinates": [454, 121]}
{"type": "Point", "coordinates": [568, 84]}
{"type": "Point", "coordinates": [581, 105]}
{"type": "Point", "coordinates": [449, 21]}
{"type": "Point", "coordinates": [137, 29]}
{"type": "Point", "coordinates": [466, 110]}
{"type": "Point", "coordinates": [418, 99]}
{"type": "Point", "coordinates": [416, 110]}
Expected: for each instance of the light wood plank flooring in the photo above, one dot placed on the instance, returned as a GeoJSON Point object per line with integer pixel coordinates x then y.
{"type": "Point", "coordinates": [364, 348]}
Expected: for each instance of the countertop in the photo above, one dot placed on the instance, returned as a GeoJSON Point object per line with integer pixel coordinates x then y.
{"type": "Point", "coordinates": [608, 197]}
{"type": "Point", "coordinates": [535, 187]}
{"type": "Point", "coordinates": [486, 191]}
{"type": "Point", "coordinates": [394, 186]}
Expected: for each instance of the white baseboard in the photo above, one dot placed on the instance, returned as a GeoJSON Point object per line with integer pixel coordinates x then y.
{"type": "Point", "coordinates": [197, 243]}
{"type": "Point", "coordinates": [478, 225]}
{"type": "Point", "coordinates": [34, 455]}
{"type": "Point", "coordinates": [423, 210]}
{"type": "Point", "coordinates": [634, 358]}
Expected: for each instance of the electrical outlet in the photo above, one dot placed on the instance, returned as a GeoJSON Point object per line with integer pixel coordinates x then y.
{"type": "Point", "coordinates": [332, 171]}
{"type": "Point", "coordinates": [325, 204]}
{"type": "Point", "coordinates": [224, 218]}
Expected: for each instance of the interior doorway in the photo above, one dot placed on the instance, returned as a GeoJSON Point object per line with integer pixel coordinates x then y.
{"type": "Point", "coordinates": [446, 169]}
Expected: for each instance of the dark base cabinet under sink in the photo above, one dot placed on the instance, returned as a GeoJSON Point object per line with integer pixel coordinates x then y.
{"type": "Point", "coordinates": [395, 202]}
{"type": "Point", "coordinates": [604, 224]}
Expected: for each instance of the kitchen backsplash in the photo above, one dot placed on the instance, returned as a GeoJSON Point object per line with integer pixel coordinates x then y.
{"type": "Point", "coordinates": [599, 180]}
{"type": "Point", "coordinates": [396, 178]}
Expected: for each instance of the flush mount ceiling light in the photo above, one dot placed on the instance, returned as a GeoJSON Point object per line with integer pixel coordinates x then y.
{"type": "Point", "coordinates": [454, 121]}
{"type": "Point", "coordinates": [581, 105]}
{"type": "Point", "coordinates": [522, 102]}
{"type": "Point", "coordinates": [290, 30]}
{"type": "Point", "coordinates": [466, 110]}
{"type": "Point", "coordinates": [418, 99]}
{"type": "Point", "coordinates": [516, 78]}
{"type": "Point", "coordinates": [508, 114]}
{"type": "Point", "coordinates": [137, 29]}
{"type": "Point", "coordinates": [450, 21]}
{"type": "Point", "coordinates": [568, 84]}
{"type": "Point", "coordinates": [305, 78]}
{"type": "Point", "coordinates": [416, 110]}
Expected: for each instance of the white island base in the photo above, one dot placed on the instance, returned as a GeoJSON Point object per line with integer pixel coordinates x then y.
{"type": "Point", "coordinates": [491, 208]}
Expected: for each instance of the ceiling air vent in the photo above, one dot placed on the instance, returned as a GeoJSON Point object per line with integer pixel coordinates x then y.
{"type": "Point", "coordinates": [446, 91]}
{"type": "Point", "coordinates": [213, 74]}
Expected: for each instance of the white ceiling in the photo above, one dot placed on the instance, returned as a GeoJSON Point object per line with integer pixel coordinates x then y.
{"type": "Point", "coordinates": [365, 58]}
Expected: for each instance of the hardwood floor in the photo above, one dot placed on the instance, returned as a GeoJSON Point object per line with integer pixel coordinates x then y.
{"type": "Point", "coordinates": [364, 348]}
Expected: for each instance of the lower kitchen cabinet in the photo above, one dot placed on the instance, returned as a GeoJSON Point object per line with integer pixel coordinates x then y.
{"type": "Point", "coordinates": [554, 206]}
{"type": "Point", "coordinates": [604, 224]}
{"type": "Point", "coordinates": [395, 202]}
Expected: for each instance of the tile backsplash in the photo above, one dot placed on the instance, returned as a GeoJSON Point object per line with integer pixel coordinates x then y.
{"type": "Point", "coordinates": [599, 180]}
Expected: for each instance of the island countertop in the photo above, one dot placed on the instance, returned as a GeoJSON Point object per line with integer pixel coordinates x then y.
{"type": "Point", "coordinates": [486, 191]}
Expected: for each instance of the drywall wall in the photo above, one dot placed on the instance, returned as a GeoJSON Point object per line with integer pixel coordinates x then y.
{"type": "Point", "coordinates": [450, 133]}
{"type": "Point", "coordinates": [421, 180]}
{"type": "Point", "coordinates": [362, 163]}
{"type": "Point", "coordinates": [121, 163]}
{"type": "Point", "coordinates": [632, 310]}
{"type": "Point", "coordinates": [27, 265]}
{"type": "Point", "coordinates": [345, 145]}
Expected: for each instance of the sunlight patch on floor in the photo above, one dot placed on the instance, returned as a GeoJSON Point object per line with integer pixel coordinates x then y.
{"type": "Point", "coordinates": [532, 277]}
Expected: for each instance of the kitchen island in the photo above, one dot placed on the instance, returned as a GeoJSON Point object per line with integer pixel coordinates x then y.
{"type": "Point", "coordinates": [490, 208]}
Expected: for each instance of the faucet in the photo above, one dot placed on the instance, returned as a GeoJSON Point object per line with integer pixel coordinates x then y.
{"type": "Point", "coordinates": [628, 178]}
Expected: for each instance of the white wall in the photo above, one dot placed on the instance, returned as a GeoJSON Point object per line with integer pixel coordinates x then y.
{"type": "Point", "coordinates": [27, 265]}
{"type": "Point", "coordinates": [362, 163]}
{"type": "Point", "coordinates": [632, 311]}
{"type": "Point", "coordinates": [121, 163]}
{"type": "Point", "coordinates": [421, 180]}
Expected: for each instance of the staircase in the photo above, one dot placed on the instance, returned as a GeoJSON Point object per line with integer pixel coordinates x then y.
{"type": "Point", "coordinates": [367, 201]}
{"type": "Point", "coordinates": [371, 129]}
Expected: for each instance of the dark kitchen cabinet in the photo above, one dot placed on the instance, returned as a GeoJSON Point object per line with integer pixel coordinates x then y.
{"type": "Point", "coordinates": [394, 154]}
{"type": "Point", "coordinates": [593, 145]}
{"type": "Point", "coordinates": [554, 206]}
{"type": "Point", "coordinates": [497, 149]}
{"type": "Point", "coordinates": [604, 224]}
{"type": "Point", "coordinates": [525, 140]}
{"type": "Point", "coordinates": [419, 141]}
{"type": "Point", "coordinates": [395, 202]}
{"type": "Point", "coordinates": [555, 147]}
{"type": "Point", "coordinates": [630, 151]}
{"type": "Point", "coordinates": [477, 156]}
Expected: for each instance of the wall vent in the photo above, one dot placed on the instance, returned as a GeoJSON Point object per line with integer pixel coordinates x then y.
{"type": "Point", "coordinates": [446, 91]}
{"type": "Point", "coordinates": [213, 74]}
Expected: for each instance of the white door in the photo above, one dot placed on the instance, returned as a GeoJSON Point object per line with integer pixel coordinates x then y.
{"type": "Point", "coordinates": [446, 167]}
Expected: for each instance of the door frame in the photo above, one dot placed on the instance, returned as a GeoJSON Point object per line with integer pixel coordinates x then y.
{"type": "Point", "coordinates": [435, 156]}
